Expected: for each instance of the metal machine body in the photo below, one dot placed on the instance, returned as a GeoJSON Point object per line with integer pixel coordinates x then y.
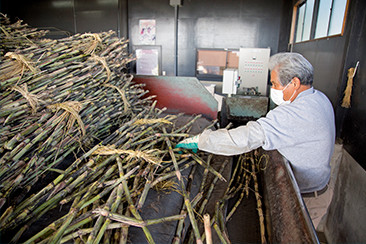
{"type": "Point", "coordinates": [246, 88]}
{"type": "Point", "coordinates": [180, 94]}
{"type": "Point", "coordinates": [246, 108]}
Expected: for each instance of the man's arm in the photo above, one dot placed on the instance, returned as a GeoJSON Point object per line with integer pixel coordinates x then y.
{"type": "Point", "coordinates": [232, 142]}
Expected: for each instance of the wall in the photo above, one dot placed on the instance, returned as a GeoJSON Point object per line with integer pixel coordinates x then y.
{"type": "Point", "coordinates": [208, 24]}
{"type": "Point", "coordinates": [352, 121]}
{"type": "Point", "coordinates": [222, 24]}
{"type": "Point", "coordinates": [42, 14]}
{"type": "Point", "coordinates": [326, 56]}
{"type": "Point", "coordinates": [65, 17]}
{"type": "Point", "coordinates": [202, 24]}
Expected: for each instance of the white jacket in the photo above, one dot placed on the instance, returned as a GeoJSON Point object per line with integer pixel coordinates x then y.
{"type": "Point", "coordinates": [302, 131]}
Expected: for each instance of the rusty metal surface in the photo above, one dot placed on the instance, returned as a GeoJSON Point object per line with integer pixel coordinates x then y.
{"type": "Point", "coordinates": [246, 107]}
{"type": "Point", "coordinates": [180, 95]}
{"type": "Point", "coordinates": [286, 215]}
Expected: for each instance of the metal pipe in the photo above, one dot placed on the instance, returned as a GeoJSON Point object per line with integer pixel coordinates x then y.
{"type": "Point", "coordinates": [123, 19]}
{"type": "Point", "coordinates": [119, 18]}
{"type": "Point", "coordinates": [74, 13]}
{"type": "Point", "coordinates": [176, 40]}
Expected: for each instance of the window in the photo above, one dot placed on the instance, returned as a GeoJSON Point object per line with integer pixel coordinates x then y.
{"type": "Point", "coordinates": [211, 63]}
{"type": "Point", "coordinates": [304, 21]}
{"type": "Point", "coordinates": [336, 20]}
{"type": "Point", "coordinates": [313, 19]}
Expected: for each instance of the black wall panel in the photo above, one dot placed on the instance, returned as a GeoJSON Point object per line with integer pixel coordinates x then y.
{"type": "Point", "coordinates": [70, 16]}
{"type": "Point", "coordinates": [53, 15]}
{"type": "Point", "coordinates": [353, 129]}
{"type": "Point", "coordinates": [96, 15]}
{"type": "Point", "coordinates": [201, 24]}
{"type": "Point", "coordinates": [327, 58]}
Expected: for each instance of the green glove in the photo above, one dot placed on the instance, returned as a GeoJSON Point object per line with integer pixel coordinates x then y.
{"type": "Point", "coordinates": [189, 143]}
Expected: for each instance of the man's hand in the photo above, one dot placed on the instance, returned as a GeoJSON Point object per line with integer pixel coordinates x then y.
{"type": "Point", "coordinates": [189, 143]}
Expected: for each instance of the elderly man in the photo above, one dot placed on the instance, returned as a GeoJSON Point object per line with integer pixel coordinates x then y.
{"type": "Point", "coordinates": [301, 127]}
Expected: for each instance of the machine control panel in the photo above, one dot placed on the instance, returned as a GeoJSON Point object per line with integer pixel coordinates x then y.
{"type": "Point", "coordinates": [253, 69]}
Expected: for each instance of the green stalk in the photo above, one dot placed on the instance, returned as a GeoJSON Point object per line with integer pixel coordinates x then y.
{"type": "Point", "coordinates": [101, 219]}
{"type": "Point", "coordinates": [186, 197]}
{"type": "Point", "coordinates": [81, 232]}
{"type": "Point", "coordinates": [103, 193]}
{"type": "Point", "coordinates": [212, 170]}
{"type": "Point", "coordinates": [113, 209]}
{"type": "Point", "coordinates": [136, 222]}
{"type": "Point", "coordinates": [70, 216]}
{"type": "Point", "coordinates": [130, 202]}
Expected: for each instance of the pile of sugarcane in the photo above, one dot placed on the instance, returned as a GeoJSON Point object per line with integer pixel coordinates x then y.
{"type": "Point", "coordinates": [71, 96]}
{"type": "Point", "coordinates": [246, 170]}
{"type": "Point", "coordinates": [58, 97]}
{"type": "Point", "coordinates": [14, 35]}
{"type": "Point", "coordinates": [108, 185]}
{"type": "Point", "coordinates": [243, 180]}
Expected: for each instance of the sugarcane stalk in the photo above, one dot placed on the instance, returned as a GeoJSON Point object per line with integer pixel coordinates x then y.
{"type": "Point", "coordinates": [204, 164]}
{"type": "Point", "coordinates": [234, 208]}
{"type": "Point", "coordinates": [82, 220]}
{"type": "Point", "coordinates": [87, 231]}
{"type": "Point", "coordinates": [208, 194]}
{"type": "Point", "coordinates": [180, 225]}
{"type": "Point", "coordinates": [130, 202]}
{"type": "Point", "coordinates": [220, 234]}
{"type": "Point", "coordinates": [211, 188]}
{"type": "Point", "coordinates": [259, 203]}
{"type": "Point", "coordinates": [136, 222]}
{"type": "Point", "coordinates": [20, 232]}
{"type": "Point", "coordinates": [124, 229]}
{"type": "Point", "coordinates": [26, 215]}
{"type": "Point", "coordinates": [6, 214]}
{"type": "Point", "coordinates": [205, 173]}
{"type": "Point", "coordinates": [71, 215]}
{"type": "Point", "coordinates": [100, 195]}
{"type": "Point", "coordinates": [113, 209]}
{"type": "Point", "coordinates": [172, 174]}
{"type": "Point", "coordinates": [186, 197]}
{"type": "Point", "coordinates": [49, 166]}
{"type": "Point", "coordinates": [207, 224]}
{"type": "Point", "coordinates": [184, 127]}
{"type": "Point", "coordinates": [146, 188]}
{"type": "Point", "coordinates": [101, 219]}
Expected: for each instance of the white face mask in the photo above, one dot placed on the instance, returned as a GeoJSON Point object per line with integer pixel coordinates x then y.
{"type": "Point", "coordinates": [277, 96]}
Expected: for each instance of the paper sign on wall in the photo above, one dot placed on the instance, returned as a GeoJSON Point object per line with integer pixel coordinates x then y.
{"type": "Point", "coordinates": [147, 31]}
{"type": "Point", "coordinates": [147, 62]}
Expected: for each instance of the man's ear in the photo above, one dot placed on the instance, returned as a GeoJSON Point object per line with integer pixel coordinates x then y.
{"type": "Point", "coordinates": [296, 82]}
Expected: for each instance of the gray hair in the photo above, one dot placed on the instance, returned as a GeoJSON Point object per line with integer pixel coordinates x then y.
{"type": "Point", "coordinates": [290, 65]}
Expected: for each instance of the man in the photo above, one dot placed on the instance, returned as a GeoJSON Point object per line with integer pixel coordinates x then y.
{"type": "Point", "coordinates": [301, 127]}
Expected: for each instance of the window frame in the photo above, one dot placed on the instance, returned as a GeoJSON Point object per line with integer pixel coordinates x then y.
{"type": "Point", "coordinates": [214, 77]}
{"type": "Point", "coordinates": [294, 23]}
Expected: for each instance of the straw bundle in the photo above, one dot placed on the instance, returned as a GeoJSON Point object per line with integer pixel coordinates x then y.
{"type": "Point", "coordinates": [346, 103]}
